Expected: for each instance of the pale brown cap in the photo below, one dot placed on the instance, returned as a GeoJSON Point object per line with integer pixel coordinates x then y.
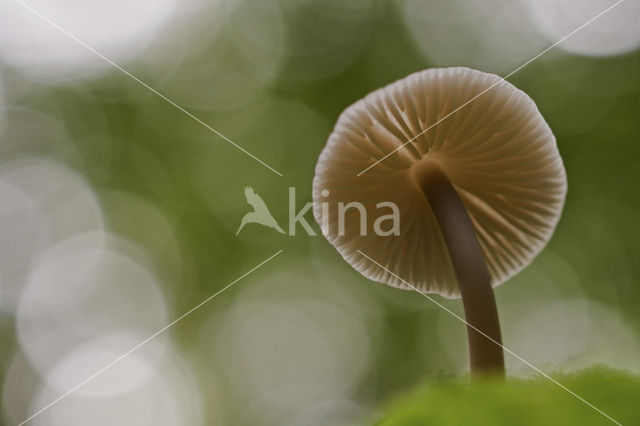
{"type": "Point", "coordinates": [497, 150]}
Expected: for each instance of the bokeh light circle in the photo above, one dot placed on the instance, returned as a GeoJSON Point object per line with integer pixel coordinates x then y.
{"type": "Point", "coordinates": [299, 40]}
{"type": "Point", "coordinates": [571, 335]}
{"type": "Point", "coordinates": [287, 347]}
{"type": "Point", "coordinates": [167, 397]}
{"type": "Point", "coordinates": [615, 32]}
{"type": "Point", "coordinates": [491, 35]}
{"type": "Point", "coordinates": [82, 290]}
{"type": "Point", "coordinates": [41, 204]}
{"type": "Point", "coordinates": [2, 105]}
{"type": "Point", "coordinates": [117, 29]}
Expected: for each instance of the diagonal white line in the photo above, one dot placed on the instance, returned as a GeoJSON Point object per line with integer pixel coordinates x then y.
{"type": "Point", "coordinates": [545, 375]}
{"type": "Point", "coordinates": [145, 341]}
{"type": "Point", "coordinates": [492, 86]}
{"type": "Point", "coordinates": [145, 85]}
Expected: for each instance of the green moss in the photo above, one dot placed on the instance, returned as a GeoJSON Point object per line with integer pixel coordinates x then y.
{"type": "Point", "coordinates": [522, 402]}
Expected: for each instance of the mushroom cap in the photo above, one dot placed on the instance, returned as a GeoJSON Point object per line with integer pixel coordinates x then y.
{"type": "Point", "coordinates": [497, 151]}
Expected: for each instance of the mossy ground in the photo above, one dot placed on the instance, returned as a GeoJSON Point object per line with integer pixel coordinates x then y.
{"type": "Point", "coordinates": [522, 402]}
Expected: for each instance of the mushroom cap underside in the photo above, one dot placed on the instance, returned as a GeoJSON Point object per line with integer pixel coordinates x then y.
{"type": "Point", "coordinates": [492, 143]}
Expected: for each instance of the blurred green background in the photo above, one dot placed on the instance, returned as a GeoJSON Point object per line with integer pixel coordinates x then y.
{"type": "Point", "coordinates": [118, 212]}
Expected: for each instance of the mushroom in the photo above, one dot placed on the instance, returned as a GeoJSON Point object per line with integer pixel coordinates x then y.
{"type": "Point", "coordinates": [477, 178]}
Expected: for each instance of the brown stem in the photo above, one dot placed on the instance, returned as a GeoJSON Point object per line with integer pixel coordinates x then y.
{"type": "Point", "coordinates": [485, 356]}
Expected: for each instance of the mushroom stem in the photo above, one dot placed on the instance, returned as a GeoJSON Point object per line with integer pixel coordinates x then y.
{"type": "Point", "coordinates": [485, 356]}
